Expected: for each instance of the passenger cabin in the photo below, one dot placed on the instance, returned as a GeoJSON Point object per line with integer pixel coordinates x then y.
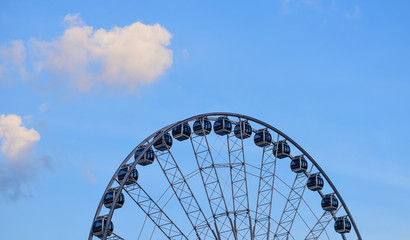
{"type": "Point", "coordinates": [222, 126]}
{"type": "Point", "coordinates": [202, 127]}
{"type": "Point", "coordinates": [298, 164]}
{"type": "Point", "coordinates": [164, 143]}
{"type": "Point", "coordinates": [133, 177]}
{"type": "Point", "coordinates": [315, 182]}
{"type": "Point", "coordinates": [100, 225]}
{"type": "Point", "coordinates": [111, 195]}
{"type": "Point", "coordinates": [330, 202]}
{"type": "Point", "coordinates": [342, 225]}
{"type": "Point", "coordinates": [262, 138]}
{"type": "Point", "coordinates": [243, 130]}
{"type": "Point", "coordinates": [181, 132]}
{"type": "Point", "coordinates": [281, 149]}
{"type": "Point", "coordinates": [147, 158]}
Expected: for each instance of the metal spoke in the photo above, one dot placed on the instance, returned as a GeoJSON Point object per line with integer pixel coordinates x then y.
{"type": "Point", "coordinates": [240, 198]}
{"type": "Point", "coordinates": [184, 194]}
{"type": "Point", "coordinates": [154, 212]}
{"type": "Point", "coordinates": [142, 228]}
{"type": "Point", "coordinates": [321, 225]}
{"type": "Point", "coordinates": [223, 222]}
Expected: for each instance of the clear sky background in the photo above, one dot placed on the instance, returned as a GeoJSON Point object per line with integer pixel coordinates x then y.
{"type": "Point", "coordinates": [82, 83]}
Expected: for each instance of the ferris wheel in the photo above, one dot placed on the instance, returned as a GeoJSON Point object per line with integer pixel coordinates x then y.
{"type": "Point", "coordinates": [221, 176]}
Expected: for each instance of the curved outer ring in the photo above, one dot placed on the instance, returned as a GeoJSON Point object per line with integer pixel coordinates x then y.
{"type": "Point", "coordinates": [169, 128]}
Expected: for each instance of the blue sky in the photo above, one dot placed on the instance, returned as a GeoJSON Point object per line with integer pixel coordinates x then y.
{"type": "Point", "coordinates": [333, 75]}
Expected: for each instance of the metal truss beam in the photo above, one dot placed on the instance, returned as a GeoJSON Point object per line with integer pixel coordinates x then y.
{"type": "Point", "coordinates": [223, 222]}
{"type": "Point", "coordinates": [262, 226]}
{"type": "Point", "coordinates": [154, 212]}
{"type": "Point", "coordinates": [184, 195]}
{"type": "Point", "coordinates": [240, 198]}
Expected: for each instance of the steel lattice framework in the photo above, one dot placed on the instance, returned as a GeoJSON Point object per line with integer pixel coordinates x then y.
{"type": "Point", "coordinates": [265, 193]}
{"type": "Point", "coordinates": [154, 212]}
{"type": "Point", "coordinates": [291, 207]}
{"type": "Point", "coordinates": [320, 225]}
{"type": "Point", "coordinates": [184, 194]}
{"type": "Point", "coordinates": [226, 196]}
{"type": "Point", "coordinates": [223, 222]}
{"type": "Point", "coordinates": [241, 212]}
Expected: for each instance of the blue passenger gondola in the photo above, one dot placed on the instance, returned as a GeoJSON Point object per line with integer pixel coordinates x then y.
{"type": "Point", "coordinates": [99, 226]}
{"type": "Point", "coordinates": [222, 126]}
{"type": "Point", "coordinates": [342, 225]}
{"type": "Point", "coordinates": [181, 132]}
{"type": "Point", "coordinates": [298, 164]}
{"type": "Point", "coordinates": [202, 127]}
{"type": "Point", "coordinates": [111, 195]}
{"type": "Point", "coordinates": [262, 138]}
{"type": "Point", "coordinates": [329, 202]}
{"type": "Point", "coordinates": [281, 149]}
{"type": "Point", "coordinates": [164, 143]}
{"type": "Point", "coordinates": [147, 158]}
{"type": "Point", "coordinates": [243, 130]}
{"type": "Point", "coordinates": [315, 182]}
{"type": "Point", "coordinates": [133, 177]}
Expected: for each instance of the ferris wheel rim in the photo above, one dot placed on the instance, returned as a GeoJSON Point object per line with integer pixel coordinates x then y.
{"type": "Point", "coordinates": [161, 132]}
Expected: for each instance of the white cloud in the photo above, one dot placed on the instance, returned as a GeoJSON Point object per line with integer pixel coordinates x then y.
{"type": "Point", "coordinates": [121, 57]}
{"type": "Point", "coordinates": [16, 140]}
{"type": "Point", "coordinates": [19, 167]}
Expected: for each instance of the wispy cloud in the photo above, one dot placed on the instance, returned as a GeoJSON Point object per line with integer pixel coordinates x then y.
{"type": "Point", "coordinates": [12, 57]}
{"type": "Point", "coordinates": [290, 5]}
{"type": "Point", "coordinates": [372, 169]}
{"type": "Point", "coordinates": [11, 187]}
{"type": "Point", "coordinates": [90, 174]}
{"type": "Point", "coordinates": [43, 107]}
{"type": "Point", "coordinates": [185, 53]}
{"type": "Point", "coordinates": [355, 13]}
{"type": "Point", "coordinates": [73, 20]}
{"type": "Point", "coordinates": [389, 173]}
{"type": "Point", "coordinates": [88, 58]}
